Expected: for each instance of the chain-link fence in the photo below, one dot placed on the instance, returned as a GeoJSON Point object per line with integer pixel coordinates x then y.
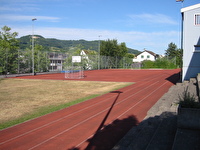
{"type": "Point", "coordinates": [26, 62]}
{"type": "Point", "coordinates": [93, 62]}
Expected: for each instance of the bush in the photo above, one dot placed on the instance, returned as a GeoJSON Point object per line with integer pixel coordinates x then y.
{"type": "Point", "coordinates": [148, 64]}
{"type": "Point", "coordinates": [162, 63]}
{"type": "Point", "coordinates": [186, 100]}
{"type": "Point", "coordinates": [165, 63]}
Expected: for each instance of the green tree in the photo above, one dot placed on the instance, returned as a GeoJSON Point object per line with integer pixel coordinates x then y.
{"type": "Point", "coordinates": [129, 55]}
{"type": "Point", "coordinates": [41, 60]}
{"type": "Point", "coordinates": [128, 60]}
{"type": "Point", "coordinates": [25, 59]}
{"type": "Point", "coordinates": [115, 51]}
{"type": "Point", "coordinates": [174, 52]}
{"type": "Point", "coordinates": [123, 50]}
{"type": "Point", "coordinates": [112, 48]}
{"type": "Point", "coordinates": [171, 50]}
{"type": "Point", "coordinates": [8, 50]}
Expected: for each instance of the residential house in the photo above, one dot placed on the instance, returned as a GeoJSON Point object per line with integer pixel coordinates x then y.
{"type": "Point", "coordinates": [191, 41]}
{"type": "Point", "coordinates": [145, 55]}
{"type": "Point", "coordinates": [87, 63]}
{"type": "Point", "coordinates": [84, 54]}
{"type": "Point", "coordinates": [56, 61]}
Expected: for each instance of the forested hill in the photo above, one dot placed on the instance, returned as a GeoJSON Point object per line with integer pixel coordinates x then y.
{"type": "Point", "coordinates": [50, 44]}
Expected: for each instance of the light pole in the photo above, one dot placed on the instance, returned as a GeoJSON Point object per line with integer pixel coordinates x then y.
{"type": "Point", "coordinates": [33, 45]}
{"type": "Point", "coordinates": [99, 53]}
{"type": "Point", "coordinates": [181, 39]}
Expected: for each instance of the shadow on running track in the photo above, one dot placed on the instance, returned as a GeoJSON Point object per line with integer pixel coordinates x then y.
{"type": "Point", "coordinates": [174, 78]}
{"type": "Point", "coordinates": [106, 136]}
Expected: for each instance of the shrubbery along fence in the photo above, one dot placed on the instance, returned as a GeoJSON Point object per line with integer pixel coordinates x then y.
{"type": "Point", "coordinates": [56, 62]}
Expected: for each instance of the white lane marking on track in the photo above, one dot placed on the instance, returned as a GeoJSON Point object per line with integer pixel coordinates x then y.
{"type": "Point", "coordinates": [18, 136]}
{"type": "Point", "coordinates": [86, 120]}
{"type": "Point", "coordinates": [124, 112]}
{"type": "Point", "coordinates": [52, 122]}
{"type": "Point", "coordinates": [141, 100]}
{"type": "Point", "coordinates": [66, 130]}
{"type": "Point", "coordinates": [74, 113]}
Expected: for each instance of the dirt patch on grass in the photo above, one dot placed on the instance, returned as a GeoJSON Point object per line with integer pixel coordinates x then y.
{"type": "Point", "coordinates": [20, 97]}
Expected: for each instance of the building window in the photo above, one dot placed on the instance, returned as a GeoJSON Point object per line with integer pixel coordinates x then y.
{"type": "Point", "coordinates": [197, 48]}
{"type": "Point", "coordinates": [142, 56]}
{"type": "Point", "coordinates": [148, 56]}
{"type": "Point", "coordinates": [197, 19]}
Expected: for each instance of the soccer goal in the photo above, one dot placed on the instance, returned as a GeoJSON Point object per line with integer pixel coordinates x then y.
{"type": "Point", "coordinates": [74, 72]}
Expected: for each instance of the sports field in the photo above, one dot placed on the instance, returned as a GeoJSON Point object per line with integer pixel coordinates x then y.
{"type": "Point", "coordinates": [98, 123]}
{"type": "Point", "coordinates": [22, 99]}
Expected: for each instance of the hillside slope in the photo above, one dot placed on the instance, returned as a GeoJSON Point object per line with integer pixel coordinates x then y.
{"type": "Point", "coordinates": [51, 44]}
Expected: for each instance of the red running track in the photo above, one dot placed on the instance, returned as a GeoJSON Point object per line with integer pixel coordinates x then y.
{"type": "Point", "coordinates": [98, 123]}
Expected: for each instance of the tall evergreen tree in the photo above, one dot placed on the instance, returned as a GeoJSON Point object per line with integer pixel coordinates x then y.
{"type": "Point", "coordinates": [171, 50]}
{"type": "Point", "coordinates": [174, 52]}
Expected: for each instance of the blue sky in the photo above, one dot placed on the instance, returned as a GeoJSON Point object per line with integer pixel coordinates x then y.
{"type": "Point", "coordinates": [149, 24]}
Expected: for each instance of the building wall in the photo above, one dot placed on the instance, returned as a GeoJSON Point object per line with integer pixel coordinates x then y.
{"type": "Point", "coordinates": [56, 61]}
{"type": "Point", "coordinates": [191, 37]}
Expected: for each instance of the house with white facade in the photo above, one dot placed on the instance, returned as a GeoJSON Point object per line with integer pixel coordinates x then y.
{"type": "Point", "coordinates": [190, 41]}
{"type": "Point", "coordinates": [83, 54]}
{"type": "Point", "coordinates": [145, 55]}
{"type": "Point", "coordinates": [86, 61]}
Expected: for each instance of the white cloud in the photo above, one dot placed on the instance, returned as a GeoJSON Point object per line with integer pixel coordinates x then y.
{"type": "Point", "coordinates": [9, 9]}
{"type": "Point", "coordinates": [153, 19]}
{"type": "Point", "coordinates": [154, 41]}
{"type": "Point", "coordinates": [18, 6]}
{"type": "Point", "coordinates": [9, 17]}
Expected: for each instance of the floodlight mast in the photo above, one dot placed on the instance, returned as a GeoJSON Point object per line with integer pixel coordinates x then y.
{"type": "Point", "coordinates": [99, 53]}
{"type": "Point", "coordinates": [33, 46]}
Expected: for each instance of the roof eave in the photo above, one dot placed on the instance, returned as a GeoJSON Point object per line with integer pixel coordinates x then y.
{"type": "Point", "coordinates": [190, 7]}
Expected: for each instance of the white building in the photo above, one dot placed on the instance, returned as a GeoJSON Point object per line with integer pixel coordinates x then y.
{"type": "Point", "coordinates": [56, 61]}
{"type": "Point", "coordinates": [191, 41]}
{"type": "Point", "coordinates": [145, 55]}
{"type": "Point", "coordinates": [87, 62]}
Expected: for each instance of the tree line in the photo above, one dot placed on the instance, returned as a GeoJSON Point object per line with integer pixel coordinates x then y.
{"type": "Point", "coordinates": [12, 58]}
{"type": "Point", "coordinates": [51, 44]}
{"type": "Point", "coordinates": [171, 60]}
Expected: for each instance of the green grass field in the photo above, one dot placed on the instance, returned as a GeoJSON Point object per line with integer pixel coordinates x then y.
{"type": "Point", "coordinates": [22, 99]}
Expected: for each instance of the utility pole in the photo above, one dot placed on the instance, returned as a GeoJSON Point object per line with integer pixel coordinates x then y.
{"type": "Point", "coordinates": [99, 54]}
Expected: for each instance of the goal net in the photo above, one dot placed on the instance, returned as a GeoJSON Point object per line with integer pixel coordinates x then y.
{"type": "Point", "coordinates": [74, 72]}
